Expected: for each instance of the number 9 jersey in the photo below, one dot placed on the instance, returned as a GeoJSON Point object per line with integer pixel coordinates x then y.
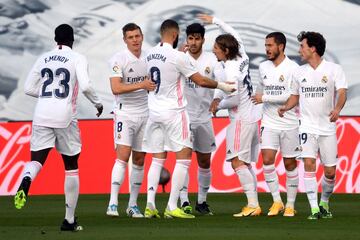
{"type": "Point", "coordinates": [55, 80]}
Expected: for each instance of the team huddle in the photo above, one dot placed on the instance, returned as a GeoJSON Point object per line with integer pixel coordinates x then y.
{"type": "Point", "coordinates": [164, 102]}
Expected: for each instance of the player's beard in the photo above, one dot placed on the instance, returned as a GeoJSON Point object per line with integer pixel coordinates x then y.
{"type": "Point", "coordinates": [175, 43]}
{"type": "Point", "coordinates": [275, 56]}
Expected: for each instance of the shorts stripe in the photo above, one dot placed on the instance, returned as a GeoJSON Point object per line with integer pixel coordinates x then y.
{"type": "Point", "coordinates": [184, 126]}
{"type": "Point", "coordinates": [179, 93]}
{"type": "Point", "coordinates": [237, 135]}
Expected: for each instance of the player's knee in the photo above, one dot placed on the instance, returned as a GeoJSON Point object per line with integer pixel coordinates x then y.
{"type": "Point", "coordinates": [70, 162]}
{"type": "Point", "coordinates": [290, 165]}
{"type": "Point", "coordinates": [330, 173]}
{"type": "Point", "coordinates": [139, 161]}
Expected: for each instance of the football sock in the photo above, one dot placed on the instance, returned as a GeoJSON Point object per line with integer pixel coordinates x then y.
{"type": "Point", "coordinates": [184, 196]}
{"type": "Point", "coordinates": [117, 178]}
{"type": "Point", "coordinates": [248, 183]}
{"type": "Point", "coordinates": [204, 180]}
{"type": "Point", "coordinates": [71, 188]}
{"type": "Point", "coordinates": [177, 181]}
{"type": "Point", "coordinates": [292, 182]}
{"type": "Point", "coordinates": [272, 181]}
{"type": "Point", "coordinates": [32, 169]}
{"type": "Point", "coordinates": [153, 180]}
{"type": "Point", "coordinates": [327, 188]}
{"type": "Point", "coordinates": [136, 178]}
{"type": "Point", "coordinates": [311, 189]}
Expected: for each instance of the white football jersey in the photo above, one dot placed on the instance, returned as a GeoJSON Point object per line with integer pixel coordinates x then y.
{"type": "Point", "coordinates": [165, 66]}
{"type": "Point", "coordinates": [55, 79]}
{"type": "Point", "coordinates": [237, 71]}
{"type": "Point", "coordinates": [317, 92]}
{"type": "Point", "coordinates": [274, 84]}
{"type": "Point", "coordinates": [199, 98]}
{"type": "Point", "coordinates": [131, 70]}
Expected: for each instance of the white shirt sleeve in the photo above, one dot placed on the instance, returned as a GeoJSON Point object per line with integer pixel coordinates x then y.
{"type": "Point", "coordinates": [232, 75]}
{"type": "Point", "coordinates": [229, 102]}
{"type": "Point", "coordinates": [115, 67]}
{"type": "Point", "coordinates": [184, 65]}
{"type": "Point", "coordinates": [294, 85]}
{"type": "Point", "coordinates": [340, 80]}
{"type": "Point", "coordinates": [84, 81]}
{"type": "Point", "coordinates": [33, 80]}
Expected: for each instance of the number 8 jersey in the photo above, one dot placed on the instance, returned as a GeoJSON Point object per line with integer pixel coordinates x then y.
{"type": "Point", "coordinates": [55, 80]}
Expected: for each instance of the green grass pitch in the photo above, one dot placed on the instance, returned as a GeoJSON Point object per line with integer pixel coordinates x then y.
{"type": "Point", "coordinates": [42, 216]}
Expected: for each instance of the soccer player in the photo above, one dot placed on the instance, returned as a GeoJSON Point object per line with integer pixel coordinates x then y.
{"type": "Point", "coordinates": [242, 132]}
{"type": "Point", "coordinates": [276, 132]}
{"type": "Point", "coordinates": [168, 126]}
{"type": "Point", "coordinates": [129, 85]}
{"type": "Point", "coordinates": [199, 100]}
{"type": "Point", "coordinates": [316, 86]}
{"type": "Point", "coordinates": [55, 80]}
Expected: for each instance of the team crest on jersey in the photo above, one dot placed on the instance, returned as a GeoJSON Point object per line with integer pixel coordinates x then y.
{"type": "Point", "coordinates": [116, 69]}
{"type": "Point", "coordinates": [281, 78]}
{"type": "Point", "coordinates": [207, 70]}
{"type": "Point", "coordinates": [324, 79]}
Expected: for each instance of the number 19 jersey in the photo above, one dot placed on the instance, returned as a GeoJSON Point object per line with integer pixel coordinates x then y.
{"type": "Point", "coordinates": [165, 66]}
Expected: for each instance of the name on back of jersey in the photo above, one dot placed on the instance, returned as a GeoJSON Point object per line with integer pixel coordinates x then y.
{"type": "Point", "coordinates": [156, 56]}
{"type": "Point", "coordinates": [57, 58]}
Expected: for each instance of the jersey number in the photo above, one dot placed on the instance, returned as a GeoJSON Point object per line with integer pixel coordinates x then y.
{"type": "Point", "coordinates": [63, 90]}
{"type": "Point", "coordinates": [155, 77]}
{"type": "Point", "coordinates": [303, 138]}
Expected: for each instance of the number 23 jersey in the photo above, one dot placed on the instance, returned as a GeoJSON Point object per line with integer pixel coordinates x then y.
{"type": "Point", "coordinates": [57, 75]}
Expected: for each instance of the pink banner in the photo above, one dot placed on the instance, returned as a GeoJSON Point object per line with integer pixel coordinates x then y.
{"type": "Point", "coordinates": [97, 158]}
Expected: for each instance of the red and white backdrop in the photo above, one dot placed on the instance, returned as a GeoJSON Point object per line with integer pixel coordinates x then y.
{"type": "Point", "coordinates": [97, 158]}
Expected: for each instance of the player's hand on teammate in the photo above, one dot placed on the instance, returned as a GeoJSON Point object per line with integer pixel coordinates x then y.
{"type": "Point", "coordinates": [183, 47]}
{"type": "Point", "coordinates": [334, 115]}
{"type": "Point", "coordinates": [99, 108]}
{"type": "Point", "coordinates": [227, 87]}
{"type": "Point", "coordinates": [147, 84]}
{"type": "Point", "coordinates": [214, 106]}
{"type": "Point", "coordinates": [257, 98]}
{"type": "Point", "coordinates": [281, 110]}
{"type": "Point", "coordinates": [205, 18]}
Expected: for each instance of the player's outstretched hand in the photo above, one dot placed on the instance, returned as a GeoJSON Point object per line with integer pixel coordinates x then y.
{"type": "Point", "coordinates": [147, 84]}
{"type": "Point", "coordinates": [214, 106]}
{"type": "Point", "coordinates": [183, 47]}
{"type": "Point", "coordinates": [227, 87]}
{"type": "Point", "coordinates": [257, 98]}
{"type": "Point", "coordinates": [205, 18]}
{"type": "Point", "coordinates": [99, 108]}
{"type": "Point", "coordinates": [281, 110]}
{"type": "Point", "coordinates": [334, 115]}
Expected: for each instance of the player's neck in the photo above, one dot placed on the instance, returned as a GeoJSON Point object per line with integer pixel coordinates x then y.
{"type": "Point", "coordinates": [196, 55]}
{"type": "Point", "coordinates": [136, 53]}
{"type": "Point", "coordinates": [315, 61]}
{"type": "Point", "coordinates": [279, 60]}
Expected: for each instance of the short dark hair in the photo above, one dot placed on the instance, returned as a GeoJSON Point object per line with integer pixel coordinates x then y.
{"type": "Point", "coordinates": [168, 24]}
{"type": "Point", "coordinates": [279, 38]}
{"type": "Point", "coordinates": [130, 27]}
{"type": "Point", "coordinates": [64, 33]}
{"type": "Point", "coordinates": [314, 39]}
{"type": "Point", "coordinates": [228, 41]}
{"type": "Point", "coordinates": [195, 28]}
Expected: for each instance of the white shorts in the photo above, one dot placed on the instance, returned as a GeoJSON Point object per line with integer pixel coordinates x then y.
{"type": "Point", "coordinates": [326, 146]}
{"type": "Point", "coordinates": [172, 135]}
{"type": "Point", "coordinates": [129, 131]}
{"type": "Point", "coordinates": [66, 140]}
{"type": "Point", "coordinates": [203, 137]}
{"type": "Point", "coordinates": [242, 141]}
{"type": "Point", "coordinates": [286, 140]}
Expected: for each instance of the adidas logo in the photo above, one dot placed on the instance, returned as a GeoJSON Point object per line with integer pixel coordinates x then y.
{"type": "Point", "coordinates": [293, 185]}
{"type": "Point", "coordinates": [131, 70]}
{"type": "Point", "coordinates": [213, 145]}
{"type": "Point", "coordinates": [265, 77]}
{"type": "Point", "coordinates": [228, 152]}
{"type": "Point", "coordinates": [304, 80]}
{"type": "Point", "coordinates": [151, 189]}
{"type": "Point", "coordinates": [137, 183]}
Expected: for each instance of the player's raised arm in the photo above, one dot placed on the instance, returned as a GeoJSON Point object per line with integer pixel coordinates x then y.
{"type": "Point", "coordinates": [224, 27]}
